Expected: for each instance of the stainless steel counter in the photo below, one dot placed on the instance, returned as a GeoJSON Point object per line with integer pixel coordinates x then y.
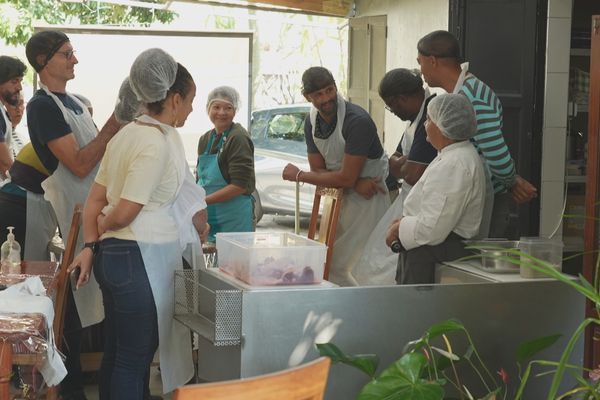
{"type": "Point", "coordinates": [279, 326]}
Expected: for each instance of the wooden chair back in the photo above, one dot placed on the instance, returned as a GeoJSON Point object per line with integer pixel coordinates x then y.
{"type": "Point", "coordinates": [306, 382]}
{"type": "Point", "coordinates": [332, 204]}
{"type": "Point", "coordinates": [64, 283]}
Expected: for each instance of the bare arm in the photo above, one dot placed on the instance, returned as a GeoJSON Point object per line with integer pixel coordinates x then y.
{"type": "Point", "coordinates": [200, 223]}
{"type": "Point", "coordinates": [81, 160]}
{"type": "Point", "coordinates": [227, 193]}
{"type": "Point", "coordinates": [96, 200]}
{"type": "Point", "coordinates": [5, 160]}
{"type": "Point", "coordinates": [120, 216]}
{"type": "Point", "coordinates": [346, 177]}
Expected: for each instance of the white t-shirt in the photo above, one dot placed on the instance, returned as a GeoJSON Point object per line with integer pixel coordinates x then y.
{"type": "Point", "coordinates": [449, 197]}
{"type": "Point", "coordinates": [138, 167]}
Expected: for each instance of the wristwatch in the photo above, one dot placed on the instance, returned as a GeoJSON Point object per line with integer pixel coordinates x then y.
{"type": "Point", "coordinates": [95, 246]}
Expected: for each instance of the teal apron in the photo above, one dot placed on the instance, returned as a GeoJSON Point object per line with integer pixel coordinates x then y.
{"type": "Point", "coordinates": [234, 215]}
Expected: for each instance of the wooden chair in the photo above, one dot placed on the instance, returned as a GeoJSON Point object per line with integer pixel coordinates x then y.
{"type": "Point", "coordinates": [62, 286]}
{"type": "Point", "coordinates": [332, 205]}
{"type": "Point", "coordinates": [306, 382]}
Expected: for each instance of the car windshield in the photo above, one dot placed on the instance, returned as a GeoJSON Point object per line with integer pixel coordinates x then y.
{"type": "Point", "coordinates": [279, 130]}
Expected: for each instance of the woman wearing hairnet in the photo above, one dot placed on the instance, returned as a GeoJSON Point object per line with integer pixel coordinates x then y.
{"type": "Point", "coordinates": [446, 205]}
{"type": "Point", "coordinates": [134, 231]}
{"type": "Point", "coordinates": [225, 166]}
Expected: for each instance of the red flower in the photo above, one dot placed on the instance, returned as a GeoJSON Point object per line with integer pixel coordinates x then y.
{"type": "Point", "coordinates": [426, 354]}
{"type": "Point", "coordinates": [504, 375]}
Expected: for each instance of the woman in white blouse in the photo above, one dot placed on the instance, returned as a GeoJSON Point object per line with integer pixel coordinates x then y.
{"type": "Point", "coordinates": [446, 205]}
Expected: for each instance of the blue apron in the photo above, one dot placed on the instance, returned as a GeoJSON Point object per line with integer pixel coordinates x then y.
{"type": "Point", "coordinates": [234, 215]}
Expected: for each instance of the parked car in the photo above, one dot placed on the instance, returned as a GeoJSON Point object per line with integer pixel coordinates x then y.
{"type": "Point", "coordinates": [278, 136]}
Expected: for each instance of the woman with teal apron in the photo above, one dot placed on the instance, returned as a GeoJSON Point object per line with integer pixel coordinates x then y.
{"type": "Point", "coordinates": [225, 166]}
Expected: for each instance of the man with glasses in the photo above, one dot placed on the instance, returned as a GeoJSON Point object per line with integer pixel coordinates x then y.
{"type": "Point", "coordinates": [70, 147]}
{"type": "Point", "coordinates": [404, 95]}
{"type": "Point", "coordinates": [344, 151]}
{"type": "Point", "coordinates": [439, 59]}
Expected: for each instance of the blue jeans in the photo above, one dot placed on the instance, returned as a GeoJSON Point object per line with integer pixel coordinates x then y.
{"type": "Point", "coordinates": [130, 323]}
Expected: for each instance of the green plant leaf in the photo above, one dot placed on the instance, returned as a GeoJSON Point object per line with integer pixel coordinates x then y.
{"type": "Point", "coordinates": [397, 388]}
{"type": "Point", "coordinates": [332, 351]}
{"type": "Point", "coordinates": [409, 366]}
{"type": "Point", "coordinates": [528, 349]}
{"type": "Point", "coordinates": [366, 363]}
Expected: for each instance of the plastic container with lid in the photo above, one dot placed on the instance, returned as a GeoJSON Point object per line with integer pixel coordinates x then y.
{"type": "Point", "coordinates": [271, 258]}
{"type": "Point", "coordinates": [548, 250]}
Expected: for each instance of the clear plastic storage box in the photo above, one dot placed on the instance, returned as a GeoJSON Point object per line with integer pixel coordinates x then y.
{"type": "Point", "coordinates": [549, 250]}
{"type": "Point", "coordinates": [271, 258]}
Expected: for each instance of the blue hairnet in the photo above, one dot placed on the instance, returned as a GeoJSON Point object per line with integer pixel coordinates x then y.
{"type": "Point", "coordinates": [454, 115]}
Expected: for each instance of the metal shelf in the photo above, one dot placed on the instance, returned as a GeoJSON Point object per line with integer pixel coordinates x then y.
{"type": "Point", "coordinates": [575, 178]}
{"type": "Point", "coordinates": [580, 52]}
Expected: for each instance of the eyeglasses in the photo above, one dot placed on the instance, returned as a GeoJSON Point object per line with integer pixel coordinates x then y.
{"type": "Point", "coordinates": [68, 54]}
{"type": "Point", "coordinates": [389, 109]}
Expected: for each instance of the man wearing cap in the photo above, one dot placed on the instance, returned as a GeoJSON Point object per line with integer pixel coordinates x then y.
{"type": "Point", "coordinates": [70, 147]}
{"type": "Point", "coordinates": [344, 151]}
{"type": "Point", "coordinates": [12, 71]}
{"type": "Point", "coordinates": [439, 58]}
{"type": "Point", "coordinates": [445, 206]}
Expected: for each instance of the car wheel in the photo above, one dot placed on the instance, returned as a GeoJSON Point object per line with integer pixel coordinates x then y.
{"type": "Point", "coordinates": [258, 212]}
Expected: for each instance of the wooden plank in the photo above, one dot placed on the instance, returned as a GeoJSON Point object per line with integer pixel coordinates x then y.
{"type": "Point", "coordinates": [590, 237]}
{"type": "Point", "coordinates": [339, 8]}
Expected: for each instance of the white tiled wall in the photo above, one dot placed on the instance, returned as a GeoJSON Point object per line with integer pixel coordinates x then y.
{"type": "Point", "coordinates": [555, 114]}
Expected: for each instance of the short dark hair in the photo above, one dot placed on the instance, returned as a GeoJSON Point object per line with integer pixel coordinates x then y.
{"type": "Point", "coordinates": [400, 81]}
{"type": "Point", "coordinates": [316, 78]}
{"type": "Point", "coordinates": [182, 85]}
{"type": "Point", "coordinates": [11, 68]}
{"type": "Point", "coordinates": [44, 43]}
{"type": "Point", "coordinates": [440, 44]}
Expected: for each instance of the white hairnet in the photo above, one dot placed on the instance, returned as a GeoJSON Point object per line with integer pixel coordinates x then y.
{"type": "Point", "coordinates": [226, 94]}
{"type": "Point", "coordinates": [128, 107]}
{"type": "Point", "coordinates": [152, 74]}
{"type": "Point", "coordinates": [454, 115]}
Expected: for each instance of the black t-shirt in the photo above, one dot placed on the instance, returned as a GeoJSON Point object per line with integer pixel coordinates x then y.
{"type": "Point", "coordinates": [421, 150]}
{"type": "Point", "coordinates": [46, 122]}
{"type": "Point", "coordinates": [359, 132]}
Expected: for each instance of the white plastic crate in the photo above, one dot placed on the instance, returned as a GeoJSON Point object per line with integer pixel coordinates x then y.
{"type": "Point", "coordinates": [271, 258]}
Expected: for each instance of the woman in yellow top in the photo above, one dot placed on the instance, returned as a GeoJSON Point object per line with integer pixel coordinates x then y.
{"type": "Point", "coordinates": [225, 166]}
{"type": "Point", "coordinates": [132, 233]}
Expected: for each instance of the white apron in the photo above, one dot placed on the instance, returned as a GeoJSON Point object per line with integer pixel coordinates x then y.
{"type": "Point", "coordinates": [358, 216]}
{"type": "Point", "coordinates": [41, 227]}
{"type": "Point", "coordinates": [64, 190]}
{"type": "Point", "coordinates": [9, 131]}
{"type": "Point", "coordinates": [488, 207]}
{"type": "Point", "coordinates": [381, 260]}
{"type": "Point", "coordinates": [157, 234]}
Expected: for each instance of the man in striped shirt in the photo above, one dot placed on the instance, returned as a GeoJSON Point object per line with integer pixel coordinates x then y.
{"type": "Point", "coordinates": [439, 58]}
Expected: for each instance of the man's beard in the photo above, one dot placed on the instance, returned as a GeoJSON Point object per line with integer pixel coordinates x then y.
{"type": "Point", "coordinates": [10, 98]}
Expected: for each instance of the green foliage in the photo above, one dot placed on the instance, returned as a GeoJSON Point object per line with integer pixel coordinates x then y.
{"type": "Point", "coordinates": [17, 31]}
{"type": "Point", "coordinates": [366, 363]}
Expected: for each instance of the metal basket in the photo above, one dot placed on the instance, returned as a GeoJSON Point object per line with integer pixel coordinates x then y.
{"type": "Point", "coordinates": [215, 315]}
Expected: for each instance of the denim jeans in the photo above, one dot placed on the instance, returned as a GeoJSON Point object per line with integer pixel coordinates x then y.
{"type": "Point", "coordinates": [131, 327]}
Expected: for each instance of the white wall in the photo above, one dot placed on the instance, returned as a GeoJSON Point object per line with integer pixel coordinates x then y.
{"type": "Point", "coordinates": [408, 21]}
{"type": "Point", "coordinates": [555, 115]}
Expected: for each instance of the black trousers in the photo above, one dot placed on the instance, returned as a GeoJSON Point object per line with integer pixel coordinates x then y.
{"type": "Point", "coordinates": [418, 265]}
